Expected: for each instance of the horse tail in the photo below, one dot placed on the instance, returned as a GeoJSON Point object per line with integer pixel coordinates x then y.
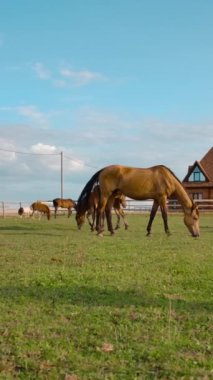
{"type": "Point", "coordinates": [88, 187]}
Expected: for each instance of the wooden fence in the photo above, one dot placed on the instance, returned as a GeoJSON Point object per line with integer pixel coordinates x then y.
{"type": "Point", "coordinates": [205, 205]}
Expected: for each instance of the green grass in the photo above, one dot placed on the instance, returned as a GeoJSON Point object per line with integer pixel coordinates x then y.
{"type": "Point", "coordinates": [76, 306]}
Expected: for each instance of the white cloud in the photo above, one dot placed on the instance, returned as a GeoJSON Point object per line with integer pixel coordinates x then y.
{"type": "Point", "coordinates": [32, 112]}
{"type": "Point", "coordinates": [94, 139]}
{"type": "Point", "coordinates": [7, 153]}
{"type": "Point", "coordinates": [82, 77]}
{"type": "Point", "coordinates": [50, 157]}
{"type": "Point", "coordinates": [41, 148]}
{"type": "Point", "coordinates": [41, 71]}
{"type": "Point", "coordinates": [66, 77]}
{"type": "Point", "coordinates": [60, 83]}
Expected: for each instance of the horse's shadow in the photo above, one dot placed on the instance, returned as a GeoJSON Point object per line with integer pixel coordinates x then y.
{"type": "Point", "coordinates": [95, 296]}
{"type": "Point", "coordinates": [26, 230]}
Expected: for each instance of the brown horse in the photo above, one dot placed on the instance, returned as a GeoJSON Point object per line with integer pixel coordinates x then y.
{"type": "Point", "coordinates": [42, 208]}
{"type": "Point", "coordinates": [64, 203]}
{"type": "Point", "coordinates": [157, 183]}
{"type": "Point", "coordinates": [90, 209]}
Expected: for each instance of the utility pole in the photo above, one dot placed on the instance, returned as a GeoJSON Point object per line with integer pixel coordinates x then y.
{"type": "Point", "coordinates": [62, 190]}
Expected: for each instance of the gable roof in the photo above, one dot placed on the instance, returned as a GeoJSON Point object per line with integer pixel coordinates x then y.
{"type": "Point", "coordinates": [207, 163]}
{"type": "Point", "coordinates": [205, 166]}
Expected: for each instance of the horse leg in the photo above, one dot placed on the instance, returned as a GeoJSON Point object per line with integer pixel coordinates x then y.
{"type": "Point", "coordinates": [163, 208]}
{"type": "Point", "coordinates": [55, 211]}
{"type": "Point", "coordinates": [122, 214]}
{"type": "Point", "coordinates": [69, 212]}
{"type": "Point", "coordinates": [108, 211]}
{"type": "Point", "coordinates": [99, 215]}
{"type": "Point", "coordinates": [94, 218]}
{"type": "Point", "coordinates": [91, 224]}
{"type": "Point", "coordinates": [152, 216]}
{"type": "Point", "coordinates": [118, 219]}
{"type": "Point", "coordinates": [109, 220]}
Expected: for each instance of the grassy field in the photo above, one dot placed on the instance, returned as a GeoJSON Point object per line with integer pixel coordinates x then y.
{"type": "Point", "coordinates": [76, 306]}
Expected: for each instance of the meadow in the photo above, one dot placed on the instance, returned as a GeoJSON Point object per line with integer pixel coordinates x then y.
{"type": "Point", "coordinates": [75, 306]}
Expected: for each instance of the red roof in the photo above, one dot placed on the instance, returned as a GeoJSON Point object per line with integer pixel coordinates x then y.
{"type": "Point", "coordinates": [207, 163]}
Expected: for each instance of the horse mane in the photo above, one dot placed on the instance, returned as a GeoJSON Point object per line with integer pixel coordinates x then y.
{"type": "Point", "coordinates": [173, 174]}
{"type": "Point", "coordinates": [84, 196]}
{"type": "Point", "coordinates": [178, 180]}
{"type": "Point", "coordinates": [55, 201]}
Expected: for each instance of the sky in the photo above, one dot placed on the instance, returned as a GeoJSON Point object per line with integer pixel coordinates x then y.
{"type": "Point", "coordinates": [126, 82]}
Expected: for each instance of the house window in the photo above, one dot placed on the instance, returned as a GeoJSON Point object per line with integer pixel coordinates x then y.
{"type": "Point", "coordinates": [196, 175]}
{"type": "Point", "coordinates": [197, 196]}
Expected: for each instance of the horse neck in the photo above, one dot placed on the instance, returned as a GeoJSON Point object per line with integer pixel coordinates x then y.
{"type": "Point", "coordinates": [183, 197]}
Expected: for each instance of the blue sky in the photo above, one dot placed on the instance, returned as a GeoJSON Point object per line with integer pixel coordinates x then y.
{"type": "Point", "coordinates": [105, 82]}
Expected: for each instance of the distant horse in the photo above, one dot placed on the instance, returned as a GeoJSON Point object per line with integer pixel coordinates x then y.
{"type": "Point", "coordinates": [157, 183]}
{"type": "Point", "coordinates": [24, 211]}
{"type": "Point", "coordinates": [90, 209]}
{"type": "Point", "coordinates": [64, 203]}
{"type": "Point", "coordinates": [41, 208]}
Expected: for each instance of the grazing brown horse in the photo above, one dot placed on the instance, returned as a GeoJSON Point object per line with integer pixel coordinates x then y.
{"type": "Point", "coordinates": [40, 207]}
{"type": "Point", "coordinates": [157, 183]}
{"type": "Point", "coordinates": [64, 203]}
{"type": "Point", "coordinates": [90, 209]}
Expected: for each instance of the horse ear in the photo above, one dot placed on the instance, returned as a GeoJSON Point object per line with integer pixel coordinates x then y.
{"type": "Point", "coordinates": [195, 207]}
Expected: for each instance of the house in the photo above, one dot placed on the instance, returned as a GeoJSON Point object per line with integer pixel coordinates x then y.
{"type": "Point", "coordinates": [199, 180]}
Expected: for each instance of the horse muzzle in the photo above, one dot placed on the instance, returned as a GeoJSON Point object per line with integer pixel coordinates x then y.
{"type": "Point", "coordinates": [195, 234]}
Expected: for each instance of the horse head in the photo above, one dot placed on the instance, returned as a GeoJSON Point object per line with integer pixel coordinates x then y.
{"type": "Point", "coordinates": [191, 220]}
{"type": "Point", "coordinates": [80, 215]}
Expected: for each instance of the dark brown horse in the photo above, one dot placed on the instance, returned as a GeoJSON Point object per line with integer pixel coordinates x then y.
{"type": "Point", "coordinates": [90, 209]}
{"type": "Point", "coordinates": [157, 183]}
{"type": "Point", "coordinates": [41, 208]}
{"type": "Point", "coordinates": [64, 203]}
{"type": "Point", "coordinates": [24, 211]}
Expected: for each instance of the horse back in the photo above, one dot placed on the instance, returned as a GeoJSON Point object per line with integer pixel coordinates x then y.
{"type": "Point", "coordinates": [138, 183]}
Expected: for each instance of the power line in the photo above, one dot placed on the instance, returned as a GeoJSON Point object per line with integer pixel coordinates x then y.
{"type": "Point", "coordinates": [32, 154]}
{"type": "Point", "coordinates": [48, 154]}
